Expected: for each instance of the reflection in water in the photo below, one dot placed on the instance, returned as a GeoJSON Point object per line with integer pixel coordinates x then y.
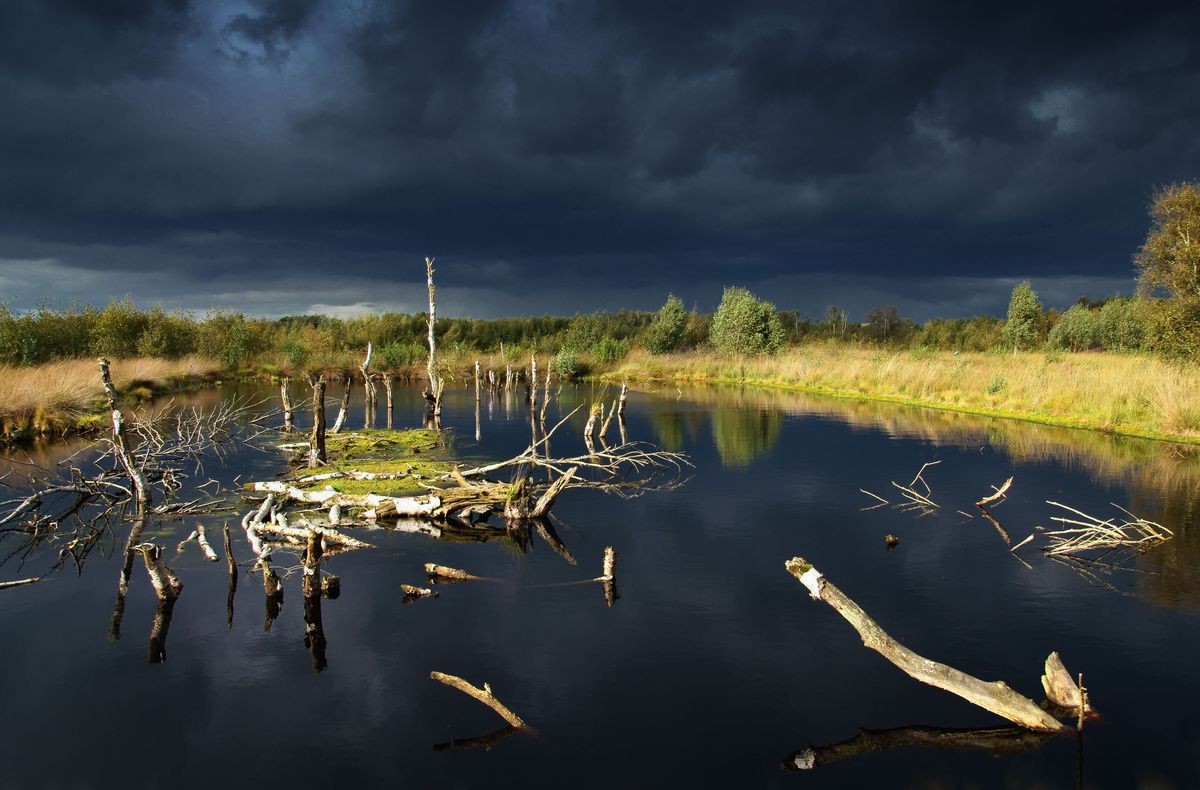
{"type": "Point", "coordinates": [998, 741]}
{"type": "Point", "coordinates": [1163, 478]}
{"type": "Point", "coordinates": [159, 628]}
{"type": "Point", "coordinates": [486, 741]}
{"type": "Point", "coordinates": [743, 434]}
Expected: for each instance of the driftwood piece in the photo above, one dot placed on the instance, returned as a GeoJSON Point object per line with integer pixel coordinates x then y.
{"type": "Point", "coordinates": [381, 505]}
{"type": "Point", "coordinates": [205, 546]}
{"type": "Point", "coordinates": [995, 740]}
{"type": "Point", "coordinates": [435, 571]}
{"type": "Point", "coordinates": [19, 582]}
{"type": "Point", "coordinates": [414, 593]}
{"type": "Point", "coordinates": [1060, 687]}
{"type": "Point", "coordinates": [298, 535]}
{"type": "Point", "coordinates": [484, 695]}
{"type": "Point", "coordinates": [996, 697]}
{"type": "Point", "coordinates": [997, 496]}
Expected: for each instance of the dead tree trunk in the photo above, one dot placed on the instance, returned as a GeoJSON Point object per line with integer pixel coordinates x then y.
{"type": "Point", "coordinates": [545, 397]}
{"type": "Point", "coordinates": [286, 401]}
{"type": "Point", "coordinates": [121, 444]}
{"type": "Point", "coordinates": [368, 389]}
{"type": "Point", "coordinates": [316, 439]}
{"type": "Point", "coordinates": [387, 389]}
{"type": "Point", "coordinates": [341, 418]}
{"type": "Point", "coordinates": [436, 384]}
{"type": "Point", "coordinates": [996, 697]}
{"type": "Point", "coordinates": [533, 383]}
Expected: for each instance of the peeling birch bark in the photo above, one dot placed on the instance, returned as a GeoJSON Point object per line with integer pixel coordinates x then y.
{"type": "Point", "coordinates": [995, 697]}
{"type": "Point", "coordinates": [285, 401]}
{"type": "Point", "coordinates": [121, 443]}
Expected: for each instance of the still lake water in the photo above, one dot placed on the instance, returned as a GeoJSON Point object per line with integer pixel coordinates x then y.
{"type": "Point", "coordinates": [711, 669]}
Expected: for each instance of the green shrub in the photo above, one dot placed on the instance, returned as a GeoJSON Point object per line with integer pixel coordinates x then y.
{"type": "Point", "coordinates": [169, 336]}
{"type": "Point", "coordinates": [394, 356]}
{"type": "Point", "coordinates": [1024, 313]}
{"type": "Point", "coordinates": [1075, 331]}
{"type": "Point", "coordinates": [117, 329]}
{"type": "Point", "coordinates": [666, 330]}
{"type": "Point", "coordinates": [996, 385]}
{"type": "Point", "coordinates": [744, 324]}
{"type": "Point", "coordinates": [566, 364]}
{"type": "Point", "coordinates": [610, 350]}
{"type": "Point", "coordinates": [1121, 325]}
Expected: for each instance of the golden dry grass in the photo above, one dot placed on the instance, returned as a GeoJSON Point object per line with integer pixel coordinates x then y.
{"type": "Point", "coordinates": [1125, 393]}
{"type": "Point", "coordinates": [51, 397]}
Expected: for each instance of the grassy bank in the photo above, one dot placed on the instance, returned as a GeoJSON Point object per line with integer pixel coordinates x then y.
{"type": "Point", "coordinates": [1131, 394]}
{"type": "Point", "coordinates": [65, 397]}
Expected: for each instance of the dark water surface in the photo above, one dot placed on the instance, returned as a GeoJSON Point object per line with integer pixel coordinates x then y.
{"type": "Point", "coordinates": [711, 669]}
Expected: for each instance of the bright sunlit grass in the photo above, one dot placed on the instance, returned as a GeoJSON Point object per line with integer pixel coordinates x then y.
{"type": "Point", "coordinates": [1128, 393]}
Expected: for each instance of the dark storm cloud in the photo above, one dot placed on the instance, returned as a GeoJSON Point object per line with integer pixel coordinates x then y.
{"type": "Point", "coordinates": [242, 153]}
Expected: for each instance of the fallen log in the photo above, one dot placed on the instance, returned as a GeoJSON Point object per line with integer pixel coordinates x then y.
{"type": "Point", "coordinates": [996, 697]}
{"type": "Point", "coordinates": [378, 505]}
{"type": "Point", "coordinates": [301, 535]}
{"type": "Point", "coordinates": [484, 695]}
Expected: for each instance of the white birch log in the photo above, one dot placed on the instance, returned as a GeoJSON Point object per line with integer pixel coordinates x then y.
{"type": "Point", "coordinates": [996, 697]}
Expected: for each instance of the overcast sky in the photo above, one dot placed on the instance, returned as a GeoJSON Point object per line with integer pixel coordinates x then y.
{"type": "Point", "coordinates": [286, 157]}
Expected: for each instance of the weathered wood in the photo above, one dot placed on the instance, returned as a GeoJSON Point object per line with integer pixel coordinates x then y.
{"type": "Point", "coordinates": [303, 536]}
{"type": "Point", "coordinates": [387, 389]}
{"type": "Point", "coordinates": [436, 383]}
{"type": "Point", "coordinates": [995, 740]}
{"type": "Point", "coordinates": [316, 438]}
{"type": "Point", "coordinates": [381, 506]}
{"type": "Point", "coordinates": [413, 593]}
{"type": "Point", "coordinates": [19, 582]}
{"type": "Point", "coordinates": [285, 401]}
{"type": "Point", "coordinates": [997, 496]}
{"type": "Point", "coordinates": [445, 572]}
{"type": "Point", "coordinates": [205, 546]}
{"type": "Point", "coordinates": [996, 697]}
{"type": "Point", "coordinates": [121, 443]}
{"type": "Point", "coordinates": [345, 406]}
{"type": "Point", "coordinates": [621, 400]}
{"type": "Point", "coordinates": [484, 695]}
{"type": "Point", "coordinates": [166, 584]}
{"type": "Point", "coordinates": [1060, 687]}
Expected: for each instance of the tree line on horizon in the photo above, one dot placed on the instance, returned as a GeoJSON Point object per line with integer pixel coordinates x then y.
{"type": "Point", "coordinates": [1163, 317]}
